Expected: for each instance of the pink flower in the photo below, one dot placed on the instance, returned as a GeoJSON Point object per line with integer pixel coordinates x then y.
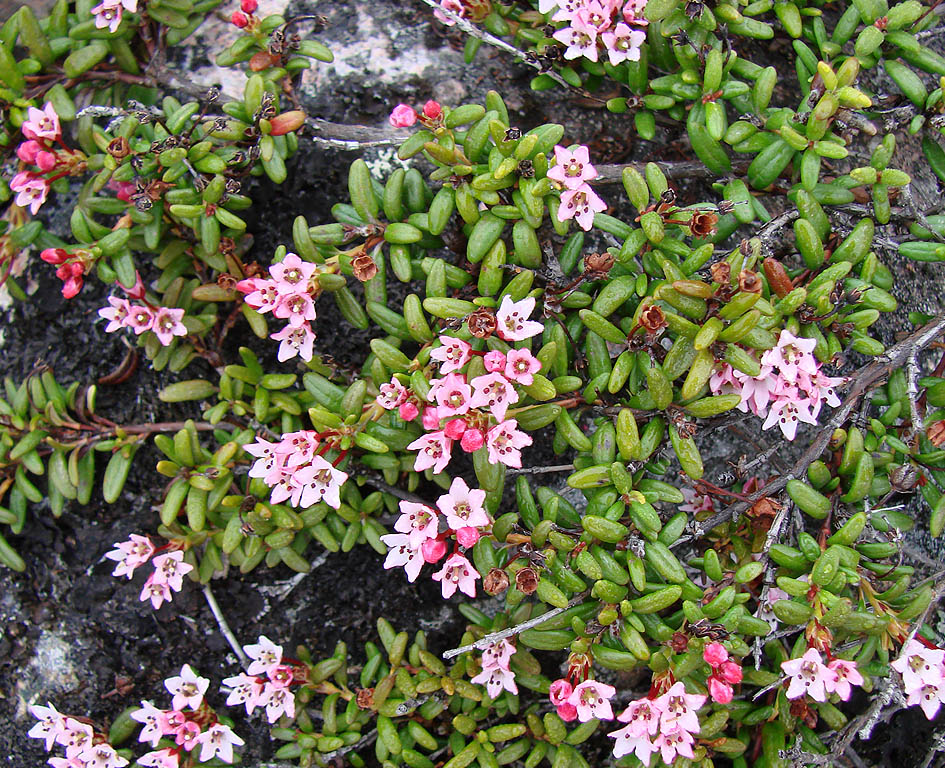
{"type": "Point", "coordinates": [929, 697]}
{"type": "Point", "coordinates": [167, 324]}
{"type": "Point", "coordinates": [627, 744]}
{"type": "Point", "coordinates": [54, 255]}
{"type": "Point", "coordinates": [633, 12]}
{"type": "Point", "coordinates": [457, 572]}
{"type": "Point", "coordinates": [714, 654]}
{"type": "Point", "coordinates": [496, 679]}
{"type": "Point", "coordinates": [170, 569]}
{"type": "Point", "coordinates": [28, 150]}
{"type": "Point", "coordinates": [295, 341]}
{"type": "Point", "coordinates": [580, 204]}
{"type": "Point", "coordinates": [249, 6]}
{"type": "Point", "coordinates": [46, 161]}
{"type": "Point", "coordinates": [266, 656]}
{"type": "Point", "coordinates": [153, 720]}
{"type": "Point", "coordinates": [319, 481]}
{"type": "Point", "coordinates": [186, 734]}
{"type": "Point", "coordinates": [623, 43]}
{"type": "Point", "coordinates": [391, 394]}
{"type": "Point", "coordinates": [498, 655]}
{"type": "Point", "coordinates": [560, 691]}
{"type": "Point", "coordinates": [453, 6]}
{"type": "Point", "coordinates": [919, 665]}
{"type": "Point", "coordinates": [504, 442]}
{"type": "Point", "coordinates": [455, 429]}
{"type": "Point", "coordinates": [107, 15]}
{"type": "Point", "coordinates": [218, 741]}
{"type": "Point", "coordinates": [408, 411]}
{"type": "Point", "coordinates": [30, 191]}
{"type": "Point", "coordinates": [679, 709]}
{"type": "Point", "coordinates": [720, 691]}
{"type": "Point", "coordinates": [187, 688]}
{"type": "Point", "coordinates": [696, 502]}
{"type": "Point", "coordinates": [102, 755]}
{"type": "Point", "coordinates": [42, 123]}
{"type": "Point", "coordinates": [642, 717]}
{"type": "Point", "coordinates": [809, 675]}
{"type": "Point", "coordinates": [521, 366]}
{"type": "Point", "coordinates": [512, 323]}
{"type": "Point", "coordinates": [297, 308]}
{"type": "Point", "coordinates": [567, 712]}
{"type": "Point", "coordinates": [433, 450]}
{"type": "Point", "coordinates": [401, 554]}
{"type": "Point", "coordinates": [452, 355]}
{"type": "Point", "coordinates": [673, 743]}
{"type": "Point", "coordinates": [592, 700]}
{"type": "Point", "coordinates": [244, 689]}
{"type": "Point", "coordinates": [239, 19]}
{"type": "Point", "coordinates": [278, 702]}
{"type": "Point", "coordinates": [432, 550]}
{"type": "Point", "coordinates": [791, 356]}
{"type": "Point", "coordinates": [495, 392]}
{"type": "Point", "coordinates": [262, 295]}
{"type": "Point", "coordinates": [494, 361]}
{"type": "Point", "coordinates": [787, 413]}
{"type": "Point", "coordinates": [403, 116]}
{"type": "Point", "coordinates": [580, 39]}
{"type": "Point", "coordinates": [573, 169]}
{"type": "Point", "coordinates": [452, 394]}
{"type": "Point", "coordinates": [140, 319]}
{"type": "Point", "coordinates": [757, 391]}
{"type": "Point", "coordinates": [162, 758]}
{"type": "Point", "coordinates": [463, 506]}
{"type": "Point", "coordinates": [847, 675]}
{"type": "Point", "coordinates": [418, 521]}
{"type": "Point", "coordinates": [292, 274]}
{"type": "Point", "coordinates": [51, 724]}
{"type": "Point", "coordinates": [430, 420]}
{"type": "Point", "coordinates": [75, 737]}
{"type": "Point", "coordinates": [596, 14]}
{"type": "Point", "coordinates": [156, 592]}
{"type": "Point", "coordinates": [267, 456]}
{"type": "Point", "coordinates": [130, 554]}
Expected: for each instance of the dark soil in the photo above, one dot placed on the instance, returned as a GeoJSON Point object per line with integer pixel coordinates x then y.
{"type": "Point", "coordinates": [72, 634]}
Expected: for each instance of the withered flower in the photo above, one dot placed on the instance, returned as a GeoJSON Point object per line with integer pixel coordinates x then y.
{"type": "Point", "coordinates": [365, 698]}
{"type": "Point", "coordinates": [119, 148]}
{"type": "Point", "coordinates": [598, 263]}
{"type": "Point", "coordinates": [526, 581]}
{"type": "Point", "coordinates": [679, 642]}
{"type": "Point", "coordinates": [721, 272]}
{"type": "Point", "coordinates": [495, 582]}
{"type": "Point", "coordinates": [904, 478]}
{"type": "Point", "coordinates": [703, 223]}
{"type": "Point", "coordinates": [749, 281]}
{"type": "Point", "coordinates": [363, 266]}
{"type": "Point", "coordinates": [936, 433]}
{"type": "Point", "coordinates": [481, 323]}
{"type": "Point", "coordinates": [653, 319]}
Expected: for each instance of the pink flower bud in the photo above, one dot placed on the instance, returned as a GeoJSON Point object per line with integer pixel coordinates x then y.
{"type": "Point", "coordinates": [46, 161]}
{"type": "Point", "coordinates": [559, 692]}
{"type": "Point", "coordinates": [714, 654]}
{"type": "Point", "coordinates": [28, 150]}
{"type": "Point", "coordinates": [467, 536]}
{"type": "Point", "coordinates": [137, 290]}
{"type": "Point", "coordinates": [54, 255]}
{"type": "Point", "coordinates": [433, 550]}
{"type": "Point", "coordinates": [455, 429]}
{"type": "Point", "coordinates": [403, 116]}
{"type": "Point", "coordinates": [430, 419]}
{"type": "Point", "coordinates": [472, 440]}
{"type": "Point", "coordinates": [239, 19]}
{"type": "Point", "coordinates": [71, 287]}
{"type": "Point", "coordinates": [408, 411]}
{"type": "Point", "coordinates": [432, 109]}
{"type": "Point", "coordinates": [249, 6]}
{"type": "Point", "coordinates": [494, 361]}
{"type": "Point", "coordinates": [730, 672]}
{"type": "Point", "coordinates": [567, 712]}
{"type": "Point", "coordinates": [720, 692]}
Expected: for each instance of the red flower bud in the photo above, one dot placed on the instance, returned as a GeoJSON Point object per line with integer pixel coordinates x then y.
{"type": "Point", "coordinates": [432, 110]}
{"type": "Point", "coordinates": [239, 19]}
{"type": "Point", "coordinates": [71, 287]}
{"type": "Point", "coordinates": [730, 672]}
{"type": "Point", "coordinates": [433, 550]}
{"type": "Point", "coordinates": [467, 536]}
{"type": "Point", "coordinates": [455, 429]}
{"type": "Point", "coordinates": [249, 6]}
{"type": "Point", "coordinates": [472, 440]}
{"type": "Point", "coordinates": [54, 255]}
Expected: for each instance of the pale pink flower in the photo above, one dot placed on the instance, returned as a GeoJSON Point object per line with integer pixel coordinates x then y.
{"type": "Point", "coordinates": [296, 340]}
{"type": "Point", "coordinates": [633, 12]}
{"type": "Point", "coordinates": [74, 736]}
{"type": "Point", "coordinates": [282, 676]}
{"type": "Point", "coordinates": [107, 14]}
{"type": "Point", "coordinates": [929, 696]}
{"type": "Point", "coordinates": [808, 675]}
{"type": "Point", "coordinates": [433, 450]}
{"type": "Point", "coordinates": [392, 394]}
{"type": "Point", "coordinates": [153, 720]}
{"type": "Point", "coordinates": [278, 701]}
{"type": "Point", "coordinates": [401, 554]}
{"type": "Point", "coordinates": [626, 743]}
{"type": "Point", "coordinates": [130, 554]}
{"type": "Point", "coordinates": [167, 324]}
{"type": "Point", "coordinates": [403, 115]}
{"type": "Point", "coordinates": [580, 39]}
{"type": "Point", "coordinates": [597, 14]}
{"type": "Point", "coordinates": [919, 665]}
{"type": "Point", "coordinates": [162, 758]}
{"type": "Point", "coordinates": [319, 481]}
{"type": "Point", "coordinates": [300, 447]}
{"type": "Point", "coordinates": [42, 123]}
{"type": "Point", "coordinates": [504, 442]}
{"type": "Point", "coordinates": [847, 675]}
{"type": "Point", "coordinates": [186, 734]}
{"type": "Point", "coordinates": [723, 382]}
{"type": "Point", "coordinates": [262, 295]}
{"type": "Point", "coordinates": [521, 365]}
{"type": "Point", "coordinates": [757, 391]}
{"type": "Point", "coordinates": [463, 506]}
{"type": "Point", "coordinates": [292, 274]}
{"type": "Point", "coordinates": [642, 717]}
{"type": "Point", "coordinates": [283, 483]}
{"type": "Point", "coordinates": [457, 572]}
{"type": "Point", "coordinates": [496, 679]}
{"type": "Point", "coordinates": [580, 204]}
{"type": "Point", "coordinates": [452, 395]}
{"type": "Point", "coordinates": [623, 43]}
{"type": "Point", "coordinates": [157, 592]}
{"type": "Point", "coordinates": [673, 743]}
{"type": "Point", "coordinates": [787, 413]}
{"type": "Point", "coordinates": [820, 389]}
{"type": "Point", "coordinates": [67, 762]}
{"type": "Point", "coordinates": [187, 688]}
{"type": "Point", "coordinates": [102, 755]}
{"type": "Point", "coordinates": [494, 361]}
{"type": "Point", "coordinates": [170, 569]}
{"type": "Point", "coordinates": [244, 689]}
{"type": "Point", "coordinates": [267, 457]}
{"type": "Point", "coordinates": [512, 323]}
{"type": "Point", "coordinates": [495, 392]}
{"type": "Point", "coordinates": [679, 709]}
{"type": "Point", "coordinates": [572, 169]}
{"type": "Point", "coordinates": [140, 319]}
{"type": "Point", "coordinates": [592, 700]}
{"type": "Point", "coordinates": [453, 6]}
{"type": "Point", "coordinates": [266, 656]}
{"type": "Point", "coordinates": [560, 691]}
{"type": "Point", "coordinates": [297, 308]}
{"type": "Point", "coordinates": [116, 314]}
{"type": "Point", "coordinates": [418, 521]}
{"type": "Point", "coordinates": [218, 741]}
{"type": "Point", "coordinates": [696, 502]}
{"type": "Point", "coordinates": [30, 191]}
{"type": "Point", "coordinates": [453, 354]}
{"type": "Point", "coordinates": [498, 655]}
{"type": "Point", "coordinates": [50, 724]}
{"type": "Point", "coordinates": [792, 355]}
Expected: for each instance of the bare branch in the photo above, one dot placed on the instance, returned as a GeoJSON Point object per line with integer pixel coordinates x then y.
{"type": "Point", "coordinates": [224, 627]}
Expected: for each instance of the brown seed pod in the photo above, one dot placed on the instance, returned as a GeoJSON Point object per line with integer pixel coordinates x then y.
{"type": "Point", "coordinates": [526, 581]}
{"type": "Point", "coordinates": [495, 582]}
{"type": "Point", "coordinates": [749, 281]}
{"type": "Point", "coordinates": [703, 223]}
{"type": "Point", "coordinates": [363, 266]}
{"type": "Point", "coordinates": [721, 272]}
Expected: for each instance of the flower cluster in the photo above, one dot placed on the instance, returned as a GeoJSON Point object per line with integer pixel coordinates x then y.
{"type": "Point", "coordinates": [42, 132]}
{"type": "Point", "coordinates": [593, 25]}
{"type": "Point", "coordinates": [404, 116]}
{"type": "Point", "coordinates": [244, 16]}
{"type": "Point", "coordinates": [791, 387]}
{"type": "Point", "coordinates": [472, 412]}
{"type": "Point", "coordinates": [495, 674]}
{"type": "Point", "coordinates": [923, 676]}
{"type": "Point", "coordinates": [585, 701]}
{"type": "Point", "coordinates": [70, 268]}
{"type": "Point", "coordinates": [810, 675]}
{"type": "Point", "coordinates": [190, 722]}
{"type": "Point", "coordinates": [419, 540]}
{"type": "Point", "coordinates": [664, 724]}
{"type": "Point", "coordinates": [295, 469]}
{"type": "Point", "coordinates": [725, 672]}
{"type": "Point", "coordinates": [572, 170]}
{"type": "Point", "coordinates": [108, 13]}
{"type": "Point", "coordinates": [266, 682]}
{"type": "Point", "coordinates": [165, 322]}
{"type": "Point", "coordinates": [169, 568]}
{"type": "Point", "coordinates": [288, 294]}
{"type": "Point", "coordinates": [84, 747]}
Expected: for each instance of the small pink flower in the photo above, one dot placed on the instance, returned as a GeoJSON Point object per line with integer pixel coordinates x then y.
{"type": "Point", "coordinates": [102, 755]}
{"type": "Point", "coordinates": [162, 758]}
{"type": "Point", "coordinates": [278, 702]}
{"type": "Point", "coordinates": [496, 680]}
{"type": "Point", "coordinates": [46, 161]}
{"type": "Point", "coordinates": [319, 481]}
{"type": "Point", "coordinates": [249, 6]}
{"type": "Point", "coordinates": [714, 654]}
{"type": "Point", "coordinates": [791, 356]}
{"type": "Point", "coordinates": [157, 592]}
{"type": "Point", "coordinates": [495, 392]}
{"type": "Point", "coordinates": [642, 717]}
{"type": "Point", "coordinates": [167, 324]}
{"type": "Point", "coordinates": [572, 169]}
{"type": "Point", "coordinates": [467, 537]}
{"type": "Point", "coordinates": [30, 191]}
{"type": "Point", "coordinates": [453, 6]}
{"type": "Point", "coordinates": [107, 15]}
{"type": "Point", "coordinates": [453, 354]}
{"type": "Point", "coordinates": [154, 722]}
{"type": "Point", "coordinates": [42, 123]}
{"type": "Point", "coordinates": [74, 736]}
{"type": "Point", "coordinates": [170, 569]}
{"type": "Point", "coordinates": [433, 550]}
{"type": "Point", "coordinates": [498, 655]}
{"type": "Point", "coordinates": [809, 675]}
{"type": "Point", "coordinates": [187, 688]}
{"type": "Point", "coordinates": [452, 394]}
{"type": "Point", "coordinates": [627, 744]}
{"type": "Point", "coordinates": [580, 204]}
{"type": "Point", "coordinates": [239, 19]}
{"type": "Point", "coordinates": [403, 116]}
{"type": "Point", "coordinates": [140, 319]}
{"type": "Point", "coordinates": [430, 419]}
{"type": "Point", "coordinates": [592, 700]}
{"type": "Point", "coordinates": [929, 696]}
{"type": "Point", "coordinates": [457, 572]}
{"type": "Point", "coordinates": [919, 665]}
{"type": "Point", "coordinates": [720, 691]}
{"type": "Point", "coordinates": [494, 361]}
{"type": "Point", "coordinates": [463, 506]}
{"type": "Point", "coordinates": [623, 43]}
{"type": "Point", "coordinates": [266, 656]}
{"type": "Point", "coordinates": [504, 442]}
{"type": "Point", "coordinates": [297, 308]}
{"type": "Point", "coordinates": [244, 689]}
{"type": "Point", "coordinates": [130, 554]}
{"type": "Point", "coordinates": [296, 340]}
{"type": "Point", "coordinates": [512, 323]}
{"type": "Point", "coordinates": [788, 413]}
{"type": "Point", "coordinates": [674, 743]}
{"type": "Point", "coordinates": [560, 691]}
{"type": "Point", "coordinates": [679, 709]}
{"type": "Point", "coordinates": [401, 554]}
{"type": "Point", "coordinates": [847, 675]}
{"type": "Point", "coordinates": [51, 724]}
{"type": "Point", "coordinates": [218, 741]}
{"type": "Point", "coordinates": [391, 394]}
{"type": "Point", "coordinates": [418, 521]}
{"type": "Point", "coordinates": [292, 274]}
{"type": "Point", "coordinates": [408, 411]}
{"type": "Point", "coordinates": [521, 366]}
{"type": "Point", "coordinates": [580, 39]}
{"type": "Point", "coordinates": [261, 295]}
{"type": "Point", "coordinates": [186, 734]}
{"type": "Point", "coordinates": [434, 449]}
{"type": "Point", "coordinates": [567, 712]}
